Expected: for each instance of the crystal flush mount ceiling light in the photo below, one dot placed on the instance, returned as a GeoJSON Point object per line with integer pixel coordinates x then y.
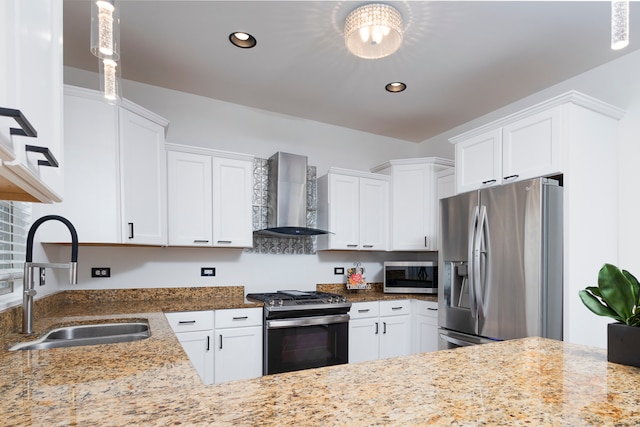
{"type": "Point", "coordinates": [373, 31]}
{"type": "Point", "coordinates": [619, 24]}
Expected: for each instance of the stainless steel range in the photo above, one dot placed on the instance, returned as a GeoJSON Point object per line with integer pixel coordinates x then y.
{"type": "Point", "coordinates": [303, 329]}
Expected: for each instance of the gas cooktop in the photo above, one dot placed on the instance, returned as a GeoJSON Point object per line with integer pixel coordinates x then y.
{"type": "Point", "coordinates": [298, 298]}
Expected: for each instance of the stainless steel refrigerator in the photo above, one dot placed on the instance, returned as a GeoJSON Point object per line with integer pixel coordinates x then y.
{"type": "Point", "coordinates": [500, 264]}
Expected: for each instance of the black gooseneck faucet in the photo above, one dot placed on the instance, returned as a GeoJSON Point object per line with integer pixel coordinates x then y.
{"type": "Point", "coordinates": [29, 265]}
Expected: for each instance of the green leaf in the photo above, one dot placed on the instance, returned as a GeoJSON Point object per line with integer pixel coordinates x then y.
{"type": "Point", "coordinates": [597, 307]}
{"type": "Point", "coordinates": [594, 290]}
{"type": "Point", "coordinates": [634, 284]}
{"type": "Point", "coordinates": [617, 292]}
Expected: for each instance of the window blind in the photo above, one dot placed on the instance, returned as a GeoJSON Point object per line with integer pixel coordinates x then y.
{"type": "Point", "coordinates": [15, 218]}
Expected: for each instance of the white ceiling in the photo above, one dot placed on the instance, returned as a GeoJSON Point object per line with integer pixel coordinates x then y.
{"type": "Point", "coordinates": [459, 60]}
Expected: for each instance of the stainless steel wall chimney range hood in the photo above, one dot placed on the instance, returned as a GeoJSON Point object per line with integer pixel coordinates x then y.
{"type": "Point", "coordinates": [287, 197]}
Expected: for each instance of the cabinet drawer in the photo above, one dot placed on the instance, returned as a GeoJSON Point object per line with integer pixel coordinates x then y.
{"type": "Point", "coordinates": [427, 308]}
{"type": "Point", "coordinates": [395, 307]}
{"type": "Point", "coordinates": [361, 310]}
{"type": "Point", "coordinates": [186, 321]}
{"type": "Point", "coordinates": [238, 317]}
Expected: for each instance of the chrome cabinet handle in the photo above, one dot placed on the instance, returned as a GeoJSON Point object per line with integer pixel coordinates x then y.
{"type": "Point", "coordinates": [208, 342]}
{"type": "Point", "coordinates": [220, 341]}
{"type": "Point", "coordinates": [200, 241]}
{"type": "Point", "coordinates": [352, 246]}
{"type": "Point", "coordinates": [241, 318]}
{"type": "Point", "coordinates": [367, 246]}
{"type": "Point", "coordinates": [376, 328]}
{"type": "Point", "coordinates": [397, 308]}
{"type": "Point", "coordinates": [224, 242]}
{"type": "Point", "coordinates": [364, 310]}
{"type": "Point", "coordinates": [131, 230]}
{"type": "Point", "coordinates": [511, 177]}
{"type": "Point", "coordinates": [186, 322]}
{"type": "Point", "coordinates": [432, 309]}
{"type": "Point", "coordinates": [489, 181]}
{"type": "Point", "coordinates": [384, 330]}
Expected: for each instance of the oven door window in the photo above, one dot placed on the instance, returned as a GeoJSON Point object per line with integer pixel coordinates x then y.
{"type": "Point", "coordinates": [304, 347]}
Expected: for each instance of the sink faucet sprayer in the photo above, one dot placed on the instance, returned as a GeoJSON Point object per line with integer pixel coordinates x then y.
{"type": "Point", "coordinates": [29, 290]}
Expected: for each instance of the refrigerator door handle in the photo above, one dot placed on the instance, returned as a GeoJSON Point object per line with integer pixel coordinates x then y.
{"type": "Point", "coordinates": [481, 261]}
{"type": "Point", "coordinates": [471, 282]}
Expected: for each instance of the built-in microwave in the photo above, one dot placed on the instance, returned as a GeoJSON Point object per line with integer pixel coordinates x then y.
{"type": "Point", "coordinates": [411, 277]}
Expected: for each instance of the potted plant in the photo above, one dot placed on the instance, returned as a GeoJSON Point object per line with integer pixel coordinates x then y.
{"type": "Point", "coordinates": [617, 296]}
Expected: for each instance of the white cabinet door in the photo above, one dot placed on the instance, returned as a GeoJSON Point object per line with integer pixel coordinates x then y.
{"type": "Point", "coordinates": [363, 339]}
{"type": "Point", "coordinates": [411, 205]}
{"type": "Point", "coordinates": [395, 336]}
{"type": "Point", "coordinates": [344, 212]}
{"type": "Point", "coordinates": [232, 210]}
{"type": "Point", "coordinates": [92, 194]}
{"type": "Point", "coordinates": [374, 214]}
{"type": "Point", "coordinates": [531, 147]}
{"type": "Point", "coordinates": [238, 353]}
{"type": "Point", "coordinates": [189, 199]}
{"type": "Point", "coordinates": [426, 326]}
{"type": "Point", "coordinates": [31, 75]}
{"type": "Point", "coordinates": [143, 180]}
{"type": "Point", "coordinates": [198, 346]}
{"type": "Point", "coordinates": [479, 161]}
{"type": "Point", "coordinates": [238, 348]}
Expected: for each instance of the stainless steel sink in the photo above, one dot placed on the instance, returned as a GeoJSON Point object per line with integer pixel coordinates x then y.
{"type": "Point", "coordinates": [80, 335]}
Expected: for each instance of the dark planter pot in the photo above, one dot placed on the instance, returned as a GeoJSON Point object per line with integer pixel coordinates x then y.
{"type": "Point", "coordinates": [623, 344]}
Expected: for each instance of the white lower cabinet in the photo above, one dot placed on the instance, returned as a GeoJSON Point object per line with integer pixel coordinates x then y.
{"type": "Point", "coordinates": [238, 338]}
{"type": "Point", "coordinates": [230, 351]}
{"type": "Point", "coordinates": [425, 337]}
{"type": "Point", "coordinates": [194, 330]}
{"type": "Point", "coordinates": [379, 329]}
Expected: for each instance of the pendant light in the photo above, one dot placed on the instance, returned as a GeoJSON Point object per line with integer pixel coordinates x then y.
{"type": "Point", "coordinates": [619, 24]}
{"type": "Point", "coordinates": [105, 45]}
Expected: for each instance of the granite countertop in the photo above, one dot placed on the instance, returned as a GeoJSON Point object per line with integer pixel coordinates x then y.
{"type": "Point", "coordinates": [532, 381]}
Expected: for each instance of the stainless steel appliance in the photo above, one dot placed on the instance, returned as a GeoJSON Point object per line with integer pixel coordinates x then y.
{"type": "Point", "coordinates": [410, 277]}
{"type": "Point", "coordinates": [303, 329]}
{"type": "Point", "coordinates": [501, 264]}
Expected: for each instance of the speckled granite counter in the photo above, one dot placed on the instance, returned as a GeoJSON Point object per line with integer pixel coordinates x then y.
{"type": "Point", "coordinates": [532, 381]}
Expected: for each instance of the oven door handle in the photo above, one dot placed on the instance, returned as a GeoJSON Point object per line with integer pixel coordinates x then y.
{"type": "Point", "coordinates": [307, 321]}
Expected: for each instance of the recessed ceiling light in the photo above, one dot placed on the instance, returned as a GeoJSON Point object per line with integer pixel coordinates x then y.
{"type": "Point", "coordinates": [395, 87]}
{"type": "Point", "coordinates": [243, 40]}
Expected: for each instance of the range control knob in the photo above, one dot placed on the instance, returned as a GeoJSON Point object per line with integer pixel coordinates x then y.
{"type": "Point", "coordinates": [271, 302]}
{"type": "Point", "coordinates": [280, 302]}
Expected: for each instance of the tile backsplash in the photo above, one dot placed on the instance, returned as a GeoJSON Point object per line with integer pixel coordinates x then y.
{"type": "Point", "coordinates": [281, 245]}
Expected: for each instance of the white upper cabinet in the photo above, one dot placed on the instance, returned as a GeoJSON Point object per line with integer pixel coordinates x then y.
{"type": "Point", "coordinates": [479, 161]}
{"type": "Point", "coordinates": [524, 145]}
{"type": "Point", "coordinates": [190, 199]}
{"type": "Point", "coordinates": [143, 180]}
{"type": "Point", "coordinates": [353, 206]}
{"type": "Point", "coordinates": [115, 191]}
{"type": "Point", "coordinates": [414, 202]}
{"type": "Point", "coordinates": [209, 197]}
{"type": "Point", "coordinates": [31, 167]}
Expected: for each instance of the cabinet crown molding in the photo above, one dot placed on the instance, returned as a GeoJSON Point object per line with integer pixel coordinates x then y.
{"type": "Point", "coordinates": [123, 103]}
{"type": "Point", "coordinates": [359, 174]}
{"type": "Point", "coordinates": [435, 161]}
{"type": "Point", "coordinates": [208, 151]}
{"type": "Point", "coordinates": [573, 97]}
